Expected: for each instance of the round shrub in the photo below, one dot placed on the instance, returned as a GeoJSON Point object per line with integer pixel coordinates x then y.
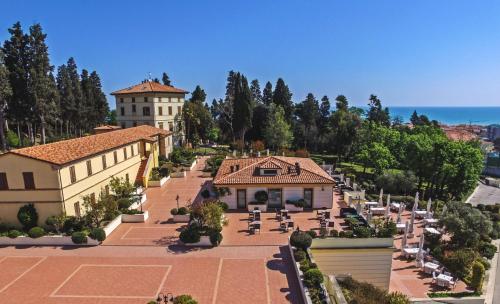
{"type": "Point", "coordinates": [28, 216]}
{"type": "Point", "coordinates": [477, 278]}
{"type": "Point", "coordinates": [313, 277]}
{"type": "Point", "coordinates": [79, 237]}
{"type": "Point", "coordinates": [312, 233]}
{"type": "Point", "coordinates": [72, 224]}
{"type": "Point", "coordinates": [215, 238]}
{"type": "Point", "coordinates": [304, 265]}
{"type": "Point", "coordinates": [334, 233]}
{"type": "Point", "coordinates": [300, 240]}
{"type": "Point", "coordinates": [174, 211]}
{"type": "Point", "coordinates": [205, 193]}
{"type": "Point", "coordinates": [14, 233]}
{"type": "Point", "coordinates": [224, 206]}
{"type": "Point", "coordinates": [98, 234]}
{"type": "Point", "coordinates": [487, 250]}
{"type": "Point", "coordinates": [261, 196]}
{"type": "Point", "coordinates": [123, 203]}
{"type": "Point", "coordinates": [182, 211]}
{"type": "Point", "coordinates": [189, 235]}
{"type": "Point", "coordinates": [348, 234]}
{"type": "Point", "coordinates": [299, 255]}
{"type": "Point", "coordinates": [362, 232]}
{"type": "Point", "coordinates": [342, 234]}
{"type": "Point", "coordinates": [36, 232]}
{"type": "Point", "coordinates": [184, 299]}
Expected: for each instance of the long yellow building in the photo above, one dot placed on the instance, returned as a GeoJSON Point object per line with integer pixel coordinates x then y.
{"type": "Point", "coordinates": [55, 177]}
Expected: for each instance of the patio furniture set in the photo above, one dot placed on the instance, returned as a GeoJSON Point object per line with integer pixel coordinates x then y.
{"type": "Point", "coordinates": [325, 221]}
{"type": "Point", "coordinates": [286, 221]}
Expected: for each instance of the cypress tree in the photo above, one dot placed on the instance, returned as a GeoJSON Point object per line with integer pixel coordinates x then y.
{"type": "Point", "coordinates": [79, 113]}
{"type": "Point", "coordinates": [67, 102]}
{"type": "Point", "coordinates": [267, 94]}
{"type": "Point", "coordinates": [256, 93]}
{"type": "Point", "coordinates": [283, 97]}
{"type": "Point", "coordinates": [100, 103]}
{"type": "Point", "coordinates": [5, 95]}
{"type": "Point", "coordinates": [242, 106]}
{"type": "Point", "coordinates": [165, 79]}
{"type": "Point", "coordinates": [198, 95]}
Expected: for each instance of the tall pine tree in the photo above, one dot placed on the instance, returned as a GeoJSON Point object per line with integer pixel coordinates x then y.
{"type": "Point", "coordinates": [165, 79]}
{"type": "Point", "coordinates": [243, 109]}
{"type": "Point", "coordinates": [5, 95]}
{"type": "Point", "coordinates": [283, 97]}
{"type": "Point", "coordinates": [267, 94]}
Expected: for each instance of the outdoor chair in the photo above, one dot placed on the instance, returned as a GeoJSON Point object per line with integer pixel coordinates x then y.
{"type": "Point", "coordinates": [327, 214]}
{"type": "Point", "coordinates": [257, 216]}
{"type": "Point", "coordinates": [290, 225]}
{"type": "Point", "coordinates": [256, 227]}
{"type": "Point", "coordinates": [447, 273]}
{"type": "Point", "coordinates": [278, 214]}
{"type": "Point", "coordinates": [283, 226]}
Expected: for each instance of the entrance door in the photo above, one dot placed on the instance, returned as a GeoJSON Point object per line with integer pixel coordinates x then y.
{"type": "Point", "coordinates": [308, 197]}
{"type": "Point", "coordinates": [241, 198]}
{"type": "Point", "coordinates": [274, 200]}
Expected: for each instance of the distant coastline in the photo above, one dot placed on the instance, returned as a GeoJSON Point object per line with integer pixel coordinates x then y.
{"type": "Point", "coordinates": [450, 115]}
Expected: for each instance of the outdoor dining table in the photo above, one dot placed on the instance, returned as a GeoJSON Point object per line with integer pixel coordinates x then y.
{"type": "Point", "coordinates": [395, 206]}
{"type": "Point", "coordinates": [420, 213]}
{"type": "Point", "coordinates": [371, 204]}
{"type": "Point", "coordinates": [377, 210]}
{"type": "Point", "coordinates": [256, 211]}
{"type": "Point", "coordinates": [401, 227]}
{"type": "Point", "coordinates": [430, 267]}
{"type": "Point", "coordinates": [444, 280]}
{"type": "Point", "coordinates": [432, 230]}
{"type": "Point", "coordinates": [410, 252]}
{"type": "Point", "coordinates": [254, 223]}
{"type": "Point", "coordinates": [431, 221]}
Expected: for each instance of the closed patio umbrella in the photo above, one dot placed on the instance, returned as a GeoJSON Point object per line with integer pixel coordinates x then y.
{"type": "Point", "coordinates": [381, 197]}
{"type": "Point", "coordinates": [412, 221]}
{"type": "Point", "coordinates": [388, 199]}
{"type": "Point", "coordinates": [415, 206]}
{"type": "Point", "coordinates": [405, 236]}
{"type": "Point", "coordinates": [420, 254]}
{"type": "Point", "coordinates": [429, 204]}
{"type": "Point", "coordinates": [400, 211]}
{"type": "Point", "coordinates": [358, 207]}
{"type": "Point", "coordinates": [369, 217]}
{"type": "Point", "coordinates": [387, 208]}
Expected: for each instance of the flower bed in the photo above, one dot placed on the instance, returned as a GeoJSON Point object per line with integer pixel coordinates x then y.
{"type": "Point", "coordinates": [48, 240]}
{"type": "Point", "coordinates": [135, 218]}
{"type": "Point", "coordinates": [158, 183]}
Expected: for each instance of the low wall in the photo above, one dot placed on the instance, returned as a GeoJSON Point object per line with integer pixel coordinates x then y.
{"type": "Point", "coordinates": [49, 240]}
{"type": "Point", "coordinates": [204, 242]}
{"type": "Point", "coordinates": [465, 300]}
{"type": "Point", "coordinates": [181, 218]}
{"type": "Point", "coordinates": [113, 225]}
{"type": "Point", "coordinates": [262, 207]}
{"type": "Point", "coordinates": [293, 208]}
{"type": "Point", "coordinates": [135, 218]}
{"type": "Point", "coordinates": [190, 167]}
{"type": "Point", "coordinates": [161, 182]}
{"type": "Point", "coordinates": [178, 174]}
{"type": "Point", "coordinates": [338, 243]}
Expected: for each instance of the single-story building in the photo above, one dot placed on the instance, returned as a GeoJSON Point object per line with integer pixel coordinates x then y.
{"type": "Point", "coordinates": [282, 178]}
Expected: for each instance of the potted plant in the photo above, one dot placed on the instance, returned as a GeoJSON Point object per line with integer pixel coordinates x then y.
{"type": "Point", "coordinates": [260, 202]}
{"type": "Point", "coordinates": [180, 215]}
{"type": "Point", "coordinates": [295, 205]}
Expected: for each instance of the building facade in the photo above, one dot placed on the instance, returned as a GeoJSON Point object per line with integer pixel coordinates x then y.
{"type": "Point", "coordinates": [55, 177]}
{"type": "Point", "coordinates": [153, 104]}
{"type": "Point", "coordinates": [283, 178]}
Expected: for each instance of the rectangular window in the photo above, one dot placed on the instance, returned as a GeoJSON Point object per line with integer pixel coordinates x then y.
{"type": "Point", "coordinates": [160, 125]}
{"type": "Point", "coordinates": [134, 109]}
{"type": "Point", "coordinates": [72, 174]}
{"type": "Point", "coordinates": [169, 110]}
{"type": "Point", "coordinates": [104, 165]}
{"type": "Point", "coordinates": [159, 99]}
{"type": "Point", "coordinates": [133, 99]}
{"type": "Point", "coordinates": [29, 180]}
{"type": "Point", "coordinates": [133, 149]}
{"type": "Point", "coordinates": [122, 111]}
{"type": "Point", "coordinates": [170, 126]}
{"type": "Point", "coordinates": [4, 185]}
{"type": "Point", "coordinates": [89, 168]}
{"type": "Point", "coordinates": [145, 99]}
{"type": "Point", "coordinates": [115, 156]}
{"type": "Point", "coordinates": [308, 197]}
{"type": "Point", "coordinates": [179, 110]}
{"type": "Point", "coordinates": [269, 172]}
{"type": "Point", "coordinates": [125, 153]}
{"type": "Point", "coordinates": [121, 100]}
{"type": "Point", "coordinates": [92, 198]}
{"type": "Point", "coordinates": [145, 111]}
{"type": "Point", "coordinates": [78, 213]}
{"type": "Point", "coordinates": [160, 110]}
{"type": "Point", "coordinates": [134, 124]}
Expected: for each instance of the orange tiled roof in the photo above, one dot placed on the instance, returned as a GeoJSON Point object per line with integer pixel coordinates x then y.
{"type": "Point", "coordinates": [66, 151]}
{"type": "Point", "coordinates": [107, 127]}
{"type": "Point", "coordinates": [248, 173]}
{"type": "Point", "coordinates": [149, 87]}
{"type": "Point", "coordinates": [457, 134]}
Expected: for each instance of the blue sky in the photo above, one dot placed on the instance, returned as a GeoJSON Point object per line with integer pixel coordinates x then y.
{"type": "Point", "coordinates": [425, 53]}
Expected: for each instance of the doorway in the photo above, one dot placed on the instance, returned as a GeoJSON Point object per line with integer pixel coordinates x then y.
{"type": "Point", "coordinates": [241, 198]}
{"type": "Point", "coordinates": [274, 200]}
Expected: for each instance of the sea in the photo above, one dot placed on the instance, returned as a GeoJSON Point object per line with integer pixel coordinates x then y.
{"type": "Point", "coordinates": [451, 115]}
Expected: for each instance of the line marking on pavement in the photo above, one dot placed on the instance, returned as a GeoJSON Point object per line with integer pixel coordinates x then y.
{"type": "Point", "coordinates": [216, 288]}
{"type": "Point", "coordinates": [54, 295]}
{"type": "Point", "coordinates": [124, 236]}
{"type": "Point", "coordinates": [3, 259]}
{"type": "Point", "coordinates": [22, 274]}
{"type": "Point", "coordinates": [268, 295]}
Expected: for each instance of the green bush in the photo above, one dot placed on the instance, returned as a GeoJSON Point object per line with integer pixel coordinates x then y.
{"type": "Point", "coordinates": [205, 193]}
{"type": "Point", "coordinates": [123, 203]}
{"type": "Point", "coordinates": [312, 233]}
{"type": "Point", "coordinates": [323, 233]}
{"type": "Point", "coordinates": [224, 206]}
{"type": "Point", "coordinates": [300, 240]}
{"type": "Point", "coordinates": [362, 232]}
{"type": "Point", "coordinates": [189, 235]}
{"type": "Point", "coordinates": [12, 139]}
{"type": "Point", "coordinates": [348, 234]}
{"type": "Point", "coordinates": [55, 222]}
{"type": "Point", "coordinates": [72, 224]}
{"type": "Point", "coordinates": [14, 233]}
{"type": "Point", "coordinates": [313, 277]}
{"type": "Point", "coordinates": [215, 238]}
{"type": "Point", "coordinates": [174, 211]}
{"type": "Point", "coordinates": [487, 250]}
{"type": "Point", "coordinates": [460, 262]}
{"type": "Point", "coordinates": [184, 299]}
{"type": "Point", "coordinates": [132, 211]}
{"type": "Point", "coordinates": [182, 211]}
{"type": "Point", "coordinates": [261, 196]}
{"type": "Point", "coordinates": [299, 255]}
{"type": "Point", "coordinates": [397, 297]}
{"type": "Point", "coordinates": [79, 237]}
{"type": "Point", "coordinates": [334, 233]}
{"type": "Point", "coordinates": [485, 263]}
{"type": "Point", "coordinates": [28, 216]}
{"type": "Point", "coordinates": [477, 278]}
{"type": "Point", "coordinates": [36, 232]}
{"type": "Point", "coordinates": [98, 234]}
{"type": "Point", "coordinates": [304, 265]}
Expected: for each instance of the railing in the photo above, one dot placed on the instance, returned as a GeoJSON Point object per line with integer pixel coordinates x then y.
{"type": "Point", "coordinates": [147, 170]}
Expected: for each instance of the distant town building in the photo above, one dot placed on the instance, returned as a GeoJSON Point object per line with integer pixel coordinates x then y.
{"type": "Point", "coordinates": [151, 103]}
{"type": "Point", "coordinates": [493, 132]}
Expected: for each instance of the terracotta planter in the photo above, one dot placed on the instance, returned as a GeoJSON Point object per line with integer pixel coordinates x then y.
{"type": "Point", "coordinates": [135, 218]}
{"type": "Point", "coordinates": [181, 218]}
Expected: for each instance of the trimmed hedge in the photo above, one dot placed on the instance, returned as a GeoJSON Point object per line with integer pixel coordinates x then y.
{"type": "Point", "coordinates": [300, 240]}
{"type": "Point", "coordinates": [79, 237]}
{"type": "Point", "coordinates": [36, 232]}
{"type": "Point", "coordinates": [14, 233]}
{"type": "Point", "coordinates": [98, 234]}
{"type": "Point", "coordinates": [189, 235]}
{"type": "Point", "coordinates": [28, 216]}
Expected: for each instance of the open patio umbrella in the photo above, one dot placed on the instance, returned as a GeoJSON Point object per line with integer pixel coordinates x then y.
{"type": "Point", "coordinates": [381, 198]}
{"type": "Point", "coordinates": [429, 204]}
{"type": "Point", "coordinates": [405, 237]}
{"type": "Point", "coordinates": [400, 211]}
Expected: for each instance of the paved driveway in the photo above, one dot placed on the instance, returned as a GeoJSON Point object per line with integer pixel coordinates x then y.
{"type": "Point", "coordinates": [485, 194]}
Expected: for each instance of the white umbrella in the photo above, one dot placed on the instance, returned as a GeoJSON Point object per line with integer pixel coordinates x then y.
{"type": "Point", "coordinates": [369, 217]}
{"type": "Point", "coordinates": [387, 211]}
{"type": "Point", "coordinates": [429, 204]}
{"type": "Point", "coordinates": [415, 206]}
{"type": "Point", "coordinates": [381, 198]}
{"type": "Point", "coordinates": [421, 247]}
{"type": "Point", "coordinates": [405, 237]}
{"type": "Point", "coordinates": [358, 207]}
{"type": "Point", "coordinates": [401, 207]}
{"type": "Point", "coordinates": [388, 199]}
{"type": "Point", "coordinates": [412, 221]}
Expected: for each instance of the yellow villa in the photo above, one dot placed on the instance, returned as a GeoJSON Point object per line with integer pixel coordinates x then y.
{"type": "Point", "coordinates": [55, 177]}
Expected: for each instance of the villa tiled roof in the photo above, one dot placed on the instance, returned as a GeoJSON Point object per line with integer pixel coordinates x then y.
{"type": "Point", "coordinates": [249, 171]}
{"type": "Point", "coordinates": [149, 87]}
{"type": "Point", "coordinates": [67, 151]}
{"type": "Point", "coordinates": [107, 127]}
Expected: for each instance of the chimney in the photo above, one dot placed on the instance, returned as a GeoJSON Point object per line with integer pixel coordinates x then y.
{"type": "Point", "coordinates": [297, 168]}
{"type": "Point", "coordinates": [232, 169]}
{"type": "Point", "coordinates": [237, 167]}
{"type": "Point", "coordinates": [267, 152]}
